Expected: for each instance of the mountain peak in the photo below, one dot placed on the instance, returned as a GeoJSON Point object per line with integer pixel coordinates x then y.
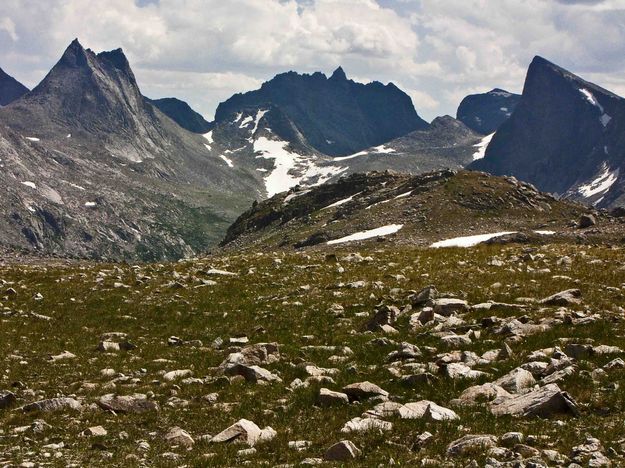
{"type": "Point", "coordinates": [75, 55]}
{"type": "Point", "coordinates": [339, 74]}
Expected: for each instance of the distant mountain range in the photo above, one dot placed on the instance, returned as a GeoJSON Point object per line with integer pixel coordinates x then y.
{"type": "Point", "coordinates": [92, 168]}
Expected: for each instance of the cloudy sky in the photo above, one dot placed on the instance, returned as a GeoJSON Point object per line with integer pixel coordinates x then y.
{"type": "Point", "coordinates": [438, 51]}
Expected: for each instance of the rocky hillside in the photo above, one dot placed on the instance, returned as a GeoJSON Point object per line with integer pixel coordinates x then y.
{"type": "Point", "coordinates": [181, 113]}
{"type": "Point", "coordinates": [91, 169]}
{"type": "Point", "coordinates": [367, 355]}
{"type": "Point", "coordinates": [335, 115]}
{"type": "Point", "coordinates": [485, 113]}
{"type": "Point", "coordinates": [10, 88]}
{"type": "Point", "coordinates": [566, 136]}
{"type": "Point", "coordinates": [404, 210]}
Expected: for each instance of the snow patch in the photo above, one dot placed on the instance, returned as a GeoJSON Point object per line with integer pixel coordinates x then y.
{"type": "Point", "coordinates": [259, 115]}
{"type": "Point", "coordinates": [228, 161]}
{"type": "Point", "coordinates": [77, 186]}
{"type": "Point", "coordinates": [605, 118]}
{"type": "Point", "coordinates": [32, 139]}
{"type": "Point", "coordinates": [383, 149]}
{"type": "Point", "coordinates": [30, 184]}
{"type": "Point", "coordinates": [469, 241]}
{"type": "Point", "coordinates": [378, 232]}
{"type": "Point", "coordinates": [90, 204]}
{"type": "Point", "coordinates": [209, 137]}
{"type": "Point", "coordinates": [481, 147]}
{"type": "Point", "coordinates": [403, 195]}
{"type": "Point", "coordinates": [600, 184]}
{"type": "Point", "coordinates": [341, 202]}
{"type": "Point", "coordinates": [290, 169]}
{"type": "Point", "coordinates": [246, 121]}
{"type": "Point", "coordinates": [351, 156]}
{"type": "Point", "coordinates": [294, 195]}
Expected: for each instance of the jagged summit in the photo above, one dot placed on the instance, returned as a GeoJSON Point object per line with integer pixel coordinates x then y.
{"type": "Point", "coordinates": [335, 115]}
{"type": "Point", "coordinates": [339, 74]}
{"type": "Point", "coordinates": [10, 88]}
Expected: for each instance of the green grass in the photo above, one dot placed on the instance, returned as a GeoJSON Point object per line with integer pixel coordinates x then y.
{"type": "Point", "coordinates": [267, 304]}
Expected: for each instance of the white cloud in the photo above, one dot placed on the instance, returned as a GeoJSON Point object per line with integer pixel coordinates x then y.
{"type": "Point", "coordinates": [205, 50]}
{"type": "Point", "coordinates": [8, 26]}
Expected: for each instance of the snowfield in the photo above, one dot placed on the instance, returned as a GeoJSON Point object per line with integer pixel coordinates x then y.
{"type": "Point", "coordinates": [378, 232]}
{"type": "Point", "coordinates": [471, 241]}
{"type": "Point", "coordinates": [290, 169]}
{"type": "Point", "coordinates": [481, 147]}
{"type": "Point", "coordinates": [600, 184]}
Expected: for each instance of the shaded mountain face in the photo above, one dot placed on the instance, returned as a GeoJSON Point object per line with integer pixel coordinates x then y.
{"type": "Point", "coordinates": [181, 113]}
{"type": "Point", "coordinates": [485, 113]}
{"type": "Point", "coordinates": [566, 136]}
{"type": "Point", "coordinates": [335, 115]}
{"type": "Point", "coordinates": [90, 169]}
{"type": "Point", "coordinates": [10, 89]}
{"type": "Point", "coordinates": [400, 208]}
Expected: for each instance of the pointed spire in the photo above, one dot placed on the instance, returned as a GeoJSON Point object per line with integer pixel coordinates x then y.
{"type": "Point", "coordinates": [339, 74]}
{"type": "Point", "coordinates": [74, 55]}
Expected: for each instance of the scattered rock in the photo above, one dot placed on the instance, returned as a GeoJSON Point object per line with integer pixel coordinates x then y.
{"type": "Point", "coordinates": [53, 404]}
{"type": "Point", "coordinates": [95, 431]}
{"type": "Point", "coordinates": [544, 402]}
{"type": "Point", "coordinates": [471, 445]}
{"type": "Point", "coordinates": [244, 431]}
{"type": "Point", "coordinates": [344, 450]}
{"type": "Point", "coordinates": [586, 221]}
{"type": "Point", "coordinates": [449, 306]}
{"type": "Point", "coordinates": [177, 436]}
{"type": "Point", "coordinates": [363, 391]}
{"type": "Point", "coordinates": [366, 424]}
{"type": "Point", "coordinates": [564, 298]}
{"type": "Point", "coordinates": [137, 403]}
{"type": "Point", "coordinates": [329, 398]}
{"type": "Point", "coordinates": [7, 399]}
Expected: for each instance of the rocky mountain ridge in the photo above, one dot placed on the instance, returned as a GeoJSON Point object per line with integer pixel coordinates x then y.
{"type": "Point", "coordinates": [337, 116]}
{"type": "Point", "coordinates": [404, 210]}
